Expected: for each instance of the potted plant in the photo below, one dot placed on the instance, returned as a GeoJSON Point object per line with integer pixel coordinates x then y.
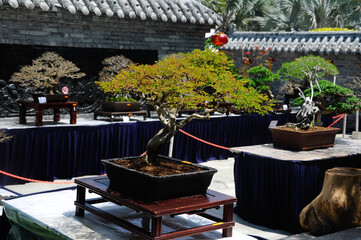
{"type": "Point", "coordinates": [123, 101]}
{"type": "Point", "coordinates": [177, 82]}
{"type": "Point", "coordinates": [42, 78]}
{"type": "Point", "coordinates": [304, 135]}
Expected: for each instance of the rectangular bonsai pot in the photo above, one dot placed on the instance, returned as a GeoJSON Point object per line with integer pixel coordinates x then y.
{"type": "Point", "coordinates": [51, 97]}
{"type": "Point", "coordinates": [303, 140]}
{"type": "Point", "coordinates": [147, 187]}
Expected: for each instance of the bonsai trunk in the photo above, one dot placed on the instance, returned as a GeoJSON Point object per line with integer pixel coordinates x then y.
{"type": "Point", "coordinates": [155, 144]}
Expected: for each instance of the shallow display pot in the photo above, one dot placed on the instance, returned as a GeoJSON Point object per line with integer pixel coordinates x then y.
{"type": "Point", "coordinates": [147, 187]}
{"type": "Point", "coordinates": [317, 137]}
{"type": "Point", "coordinates": [120, 106]}
{"type": "Point", "coordinates": [51, 97]}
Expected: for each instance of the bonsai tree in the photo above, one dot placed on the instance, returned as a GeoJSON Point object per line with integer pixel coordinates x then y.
{"type": "Point", "coordinates": [260, 78]}
{"type": "Point", "coordinates": [46, 73]}
{"type": "Point", "coordinates": [307, 69]}
{"type": "Point", "coordinates": [112, 67]}
{"type": "Point", "coordinates": [332, 98]}
{"type": "Point", "coordinates": [184, 81]}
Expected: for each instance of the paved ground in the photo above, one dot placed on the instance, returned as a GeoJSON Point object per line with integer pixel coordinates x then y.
{"type": "Point", "coordinates": [223, 182]}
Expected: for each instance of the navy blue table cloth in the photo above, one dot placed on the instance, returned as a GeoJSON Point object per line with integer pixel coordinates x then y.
{"type": "Point", "coordinates": [272, 192]}
{"type": "Point", "coordinates": [47, 153]}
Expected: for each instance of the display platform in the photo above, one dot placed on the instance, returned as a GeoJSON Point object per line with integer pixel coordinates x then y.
{"type": "Point", "coordinates": [52, 216]}
{"type": "Point", "coordinates": [274, 185]}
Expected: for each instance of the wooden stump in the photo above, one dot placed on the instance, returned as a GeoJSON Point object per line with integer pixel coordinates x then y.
{"type": "Point", "coordinates": [338, 206]}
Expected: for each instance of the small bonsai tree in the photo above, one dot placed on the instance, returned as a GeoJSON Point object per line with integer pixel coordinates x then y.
{"type": "Point", "coordinates": [46, 73]}
{"type": "Point", "coordinates": [260, 79]}
{"type": "Point", "coordinates": [184, 81]}
{"type": "Point", "coordinates": [112, 66]}
{"type": "Point", "coordinates": [307, 69]}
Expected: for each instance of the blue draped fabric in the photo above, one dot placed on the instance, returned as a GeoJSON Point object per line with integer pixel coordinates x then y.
{"type": "Point", "coordinates": [273, 192]}
{"type": "Point", "coordinates": [47, 153]}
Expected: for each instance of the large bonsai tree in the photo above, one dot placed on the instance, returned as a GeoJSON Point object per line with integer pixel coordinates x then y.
{"type": "Point", "coordinates": [185, 81]}
{"type": "Point", "coordinates": [46, 73]}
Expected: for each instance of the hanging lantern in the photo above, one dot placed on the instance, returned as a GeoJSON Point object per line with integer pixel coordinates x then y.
{"type": "Point", "coordinates": [219, 39]}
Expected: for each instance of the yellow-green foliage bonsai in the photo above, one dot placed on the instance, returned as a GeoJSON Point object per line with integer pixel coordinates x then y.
{"type": "Point", "coordinates": [185, 81]}
{"type": "Point", "coordinates": [46, 73]}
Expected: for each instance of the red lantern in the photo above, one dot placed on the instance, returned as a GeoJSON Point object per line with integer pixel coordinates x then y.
{"type": "Point", "coordinates": [330, 60]}
{"type": "Point", "coordinates": [219, 39]}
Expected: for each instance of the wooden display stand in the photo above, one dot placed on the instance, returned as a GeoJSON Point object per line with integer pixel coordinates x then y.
{"type": "Point", "coordinates": [197, 204]}
{"type": "Point", "coordinates": [40, 107]}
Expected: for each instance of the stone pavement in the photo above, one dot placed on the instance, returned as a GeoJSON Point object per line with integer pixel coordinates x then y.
{"type": "Point", "coordinates": [222, 182]}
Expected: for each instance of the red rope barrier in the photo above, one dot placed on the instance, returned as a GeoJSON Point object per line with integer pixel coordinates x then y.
{"type": "Point", "coordinates": [339, 117]}
{"type": "Point", "coordinates": [203, 141]}
{"type": "Point", "coordinates": [33, 180]}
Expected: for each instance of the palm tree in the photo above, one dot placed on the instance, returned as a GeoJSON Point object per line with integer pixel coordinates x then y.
{"type": "Point", "coordinates": [298, 15]}
{"type": "Point", "coordinates": [240, 13]}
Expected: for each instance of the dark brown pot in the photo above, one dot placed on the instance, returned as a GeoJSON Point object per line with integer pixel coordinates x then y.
{"type": "Point", "coordinates": [120, 106]}
{"type": "Point", "coordinates": [51, 97]}
{"type": "Point", "coordinates": [303, 140]}
{"type": "Point", "coordinates": [147, 187]}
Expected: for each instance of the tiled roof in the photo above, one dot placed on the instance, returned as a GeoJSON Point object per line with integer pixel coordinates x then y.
{"type": "Point", "coordinates": [165, 10]}
{"type": "Point", "coordinates": [300, 42]}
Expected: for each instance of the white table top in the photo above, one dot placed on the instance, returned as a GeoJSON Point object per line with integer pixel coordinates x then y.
{"type": "Point", "coordinates": [343, 147]}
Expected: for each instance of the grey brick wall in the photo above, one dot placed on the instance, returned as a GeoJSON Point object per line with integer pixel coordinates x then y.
{"type": "Point", "coordinates": [36, 27]}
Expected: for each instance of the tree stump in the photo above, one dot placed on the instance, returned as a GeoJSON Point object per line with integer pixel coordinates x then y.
{"type": "Point", "coordinates": [338, 206]}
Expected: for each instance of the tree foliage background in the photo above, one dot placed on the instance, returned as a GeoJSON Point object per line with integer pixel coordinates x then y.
{"type": "Point", "coordinates": [286, 15]}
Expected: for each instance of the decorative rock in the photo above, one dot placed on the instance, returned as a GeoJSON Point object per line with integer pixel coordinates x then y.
{"type": "Point", "coordinates": [338, 206]}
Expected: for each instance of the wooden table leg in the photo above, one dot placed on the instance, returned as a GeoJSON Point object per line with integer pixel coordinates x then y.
{"type": "Point", "coordinates": [56, 115]}
{"type": "Point", "coordinates": [22, 114]}
{"type": "Point", "coordinates": [80, 198]}
{"type": "Point", "coordinates": [39, 117]}
{"type": "Point", "coordinates": [73, 114]}
{"type": "Point", "coordinates": [156, 226]}
{"type": "Point", "coordinates": [227, 217]}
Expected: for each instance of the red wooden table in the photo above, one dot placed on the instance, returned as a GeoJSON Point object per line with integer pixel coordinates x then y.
{"type": "Point", "coordinates": [40, 107]}
{"type": "Point", "coordinates": [197, 204]}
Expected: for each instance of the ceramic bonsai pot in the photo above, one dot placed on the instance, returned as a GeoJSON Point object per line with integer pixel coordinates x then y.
{"type": "Point", "coordinates": [120, 106]}
{"type": "Point", "coordinates": [51, 97]}
{"type": "Point", "coordinates": [147, 187]}
{"type": "Point", "coordinates": [288, 138]}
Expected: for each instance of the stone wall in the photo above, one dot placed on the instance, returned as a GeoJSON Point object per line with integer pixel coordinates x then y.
{"type": "Point", "coordinates": [37, 27]}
